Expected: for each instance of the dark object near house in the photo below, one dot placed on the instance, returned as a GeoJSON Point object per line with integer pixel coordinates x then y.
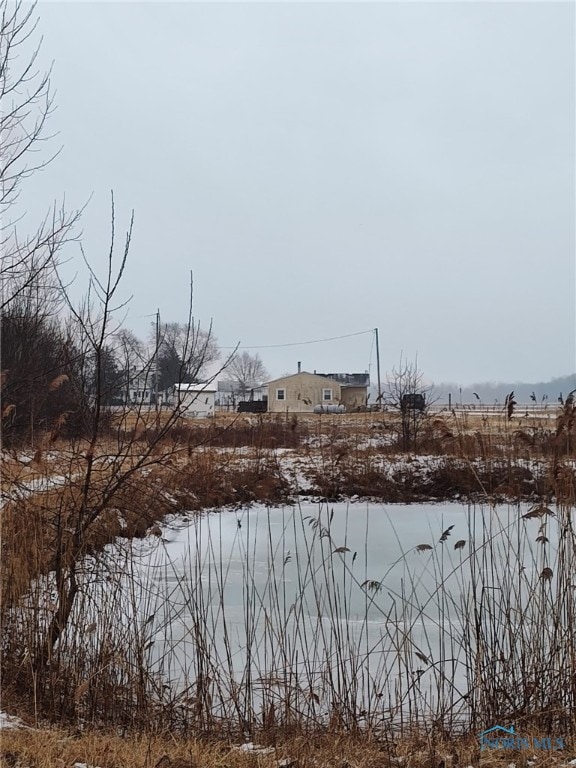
{"type": "Point", "coordinates": [413, 402]}
{"type": "Point", "coordinates": [252, 406]}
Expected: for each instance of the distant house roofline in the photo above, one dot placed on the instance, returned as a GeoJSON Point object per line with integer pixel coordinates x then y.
{"type": "Point", "coordinates": [349, 379]}
{"type": "Point", "coordinates": [295, 375]}
{"type": "Point", "coordinates": [344, 380]}
{"type": "Point", "coordinates": [193, 388]}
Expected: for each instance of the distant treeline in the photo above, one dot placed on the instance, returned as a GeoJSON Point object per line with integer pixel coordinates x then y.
{"type": "Point", "coordinates": [490, 392]}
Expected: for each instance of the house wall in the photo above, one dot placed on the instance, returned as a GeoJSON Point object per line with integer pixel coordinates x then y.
{"type": "Point", "coordinates": [303, 391]}
{"type": "Point", "coordinates": [139, 396]}
{"type": "Point", "coordinates": [354, 397]}
{"type": "Point", "coordinates": [198, 404]}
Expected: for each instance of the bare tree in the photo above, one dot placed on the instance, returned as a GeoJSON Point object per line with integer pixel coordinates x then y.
{"type": "Point", "coordinates": [37, 356]}
{"type": "Point", "coordinates": [58, 373]}
{"type": "Point", "coordinates": [186, 352]}
{"type": "Point", "coordinates": [408, 395]}
{"type": "Point", "coordinates": [26, 103]}
{"type": "Point", "coordinates": [247, 372]}
{"type": "Point", "coordinates": [132, 358]}
{"type": "Point", "coordinates": [105, 473]}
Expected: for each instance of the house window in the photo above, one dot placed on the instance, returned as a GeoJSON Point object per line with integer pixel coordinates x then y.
{"type": "Point", "coordinates": [280, 394]}
{"type": "Point", "coordinates": [326, 394]}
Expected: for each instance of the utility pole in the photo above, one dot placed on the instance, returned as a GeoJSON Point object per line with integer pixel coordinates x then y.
{"type": "Point", "coordinates": [156, 356]}
{"type": "Point", "coordinates": [379, 398]}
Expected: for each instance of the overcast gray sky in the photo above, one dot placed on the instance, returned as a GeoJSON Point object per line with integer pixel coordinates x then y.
{"type": "Point", "coordinates": [329, 168]}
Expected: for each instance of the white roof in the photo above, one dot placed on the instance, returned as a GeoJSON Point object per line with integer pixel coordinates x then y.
{"type": "Point", "coordinates": [193, 388]}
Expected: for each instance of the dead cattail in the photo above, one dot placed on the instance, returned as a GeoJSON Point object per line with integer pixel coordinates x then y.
{"type": "Point", "coordinates": [523, 437]}
{"type": "Point", "coordinates": [460, 544]}
{"type": "Point", "coordinates": [446, 533]}
{"type": "Point", "coordinates": [58, 424]}
{"type": "Point", "coordinates": [313, 696]}
{"type": "Point", "coordinates": [57, 382]}
{"type": "Point", "coordinates": [62, 419]}
{"type": "Point", "coordinates": [537, 512]}
{"type": "Point", "coordinates": [372, 586]}
{"type": "Point", "coordinates": [547, 574]}
{"type": "Point", "coordinates": [7, 410]}
{"type": "Point", "coordinates": [510, 404]}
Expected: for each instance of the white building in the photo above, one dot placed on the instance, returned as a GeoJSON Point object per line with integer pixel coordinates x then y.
{"type": "Point", "coordinates": [140, 392]}
{"type": "Point", "coordinates": [196, 400]}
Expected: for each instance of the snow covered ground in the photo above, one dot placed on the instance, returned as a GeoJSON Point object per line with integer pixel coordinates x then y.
{"type": "Point", "coordinates": [9, 721]}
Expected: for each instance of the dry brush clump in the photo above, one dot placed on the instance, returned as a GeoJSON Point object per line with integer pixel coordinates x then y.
{"type": "Point", "coordinates": [211, 479]}
{"type": "Point", "coordinates": [477, 458]}
{"type": "Point", "coordinates": [338, 473]}
{"type": "Point", "coordinates": [40, 542]}
{"type": "Point", "coordinates": [253, 432]}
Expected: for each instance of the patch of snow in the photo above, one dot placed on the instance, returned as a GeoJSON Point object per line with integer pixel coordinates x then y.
{"type": "Point", "coordinates": [84, 765]}
{"type": "Point", "coordinates": [254, 749]}
{"type": "Point", "coordinates": [9, 721]}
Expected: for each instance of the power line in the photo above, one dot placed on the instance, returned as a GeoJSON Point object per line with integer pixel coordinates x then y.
{"type": "Point", "coordinates": [299, 343]}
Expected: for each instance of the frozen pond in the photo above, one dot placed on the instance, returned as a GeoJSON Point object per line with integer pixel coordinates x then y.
{"type": "Point", "coordinates": [362, 607]}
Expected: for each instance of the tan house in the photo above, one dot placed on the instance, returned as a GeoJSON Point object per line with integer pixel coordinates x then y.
{"type": "Point", "coordinates": [303, 392]}
{"type": "Point", "coordinates": [353, 389]}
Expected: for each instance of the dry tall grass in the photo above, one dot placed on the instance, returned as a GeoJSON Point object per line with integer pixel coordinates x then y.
{"type": "Point", "coordinates": [58, 749]}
